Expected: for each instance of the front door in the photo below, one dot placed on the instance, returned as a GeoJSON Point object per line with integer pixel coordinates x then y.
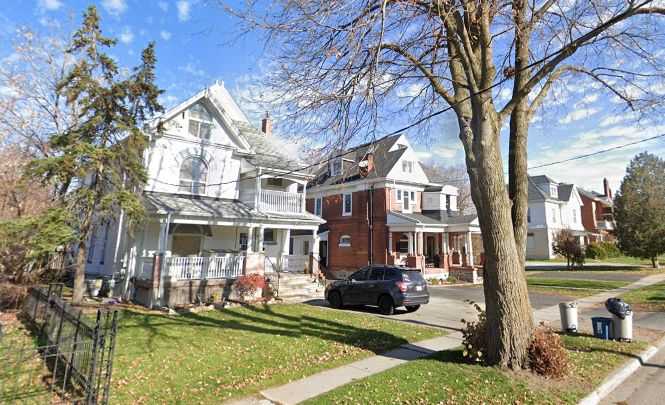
{"type": "Point", "coordinates": [323, 252]}
{"type": "Point", "coordinates": [431, 243]}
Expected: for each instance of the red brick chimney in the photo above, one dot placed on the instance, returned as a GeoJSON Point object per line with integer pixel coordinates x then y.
{"type": "Point", "coordinates": [367, 164]}
{"type": "Point", "coordinates": [266, 124]}
{"type": "Point", "coordinates": [606, 188]}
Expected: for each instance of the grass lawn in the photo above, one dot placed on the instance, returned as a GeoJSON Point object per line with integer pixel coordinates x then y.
{"type": "Point", "coordinates": [572, 287]}
{"type": "Point", "coordinates": [445, 378]}
{"type": "Point", "coordinates": [635, 261]}
{"type": "Point", "coordinates": [651, 298]}
{"type": "Point", "coordinates": [212, 356]}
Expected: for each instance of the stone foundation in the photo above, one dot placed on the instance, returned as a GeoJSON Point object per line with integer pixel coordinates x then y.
{"type": "Point", "coordinates": [468, 274]}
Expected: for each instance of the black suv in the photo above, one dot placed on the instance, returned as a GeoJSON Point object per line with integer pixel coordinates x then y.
{"type": "Point", "coordinates": [383, 285]}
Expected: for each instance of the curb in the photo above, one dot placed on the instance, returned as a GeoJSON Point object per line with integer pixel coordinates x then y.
{"type": "Point", "coordinates": [619, 376]}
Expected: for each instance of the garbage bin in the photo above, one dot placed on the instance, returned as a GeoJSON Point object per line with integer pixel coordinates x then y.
{"type": "Point", "coordinates": [568, 311]}
{"type": "Point", "coordinates": [623, 327]}
{"type": "Point", "coordinates": [602, 327]}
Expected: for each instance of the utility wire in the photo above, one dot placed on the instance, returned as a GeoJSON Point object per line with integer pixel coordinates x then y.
{"type": "Point", "coordinates": [432, 115]}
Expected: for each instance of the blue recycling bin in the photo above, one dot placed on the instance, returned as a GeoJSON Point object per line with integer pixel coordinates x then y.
{"type": "Point", "coordinates": [602, 327]}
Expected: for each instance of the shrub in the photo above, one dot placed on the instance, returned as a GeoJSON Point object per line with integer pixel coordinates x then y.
{"type": "Point", "coordinates": [12, 295]}
{"type": "Point", "coordinates": [596, 251]}
{"type": "Point", "coordinates": [247, 285]}
{"type": "Point", "coordinates": [475, 336]}
{"type": "Point", "coordinates": [611, 249]}
{"type": "Point", "coordinates": [452, 279]}
{"type": "Point", "coordinates": [567, 245]}
{"type": "Point", "coordinates": [547, 356]}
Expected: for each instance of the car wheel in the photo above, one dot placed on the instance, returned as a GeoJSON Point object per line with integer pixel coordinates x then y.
{"type": "Point", "coordinates": [335, 299]}
{"type": "Point", "coordinates": [386, 305]}
{"type": "Point", "coordinates": [412, 308]}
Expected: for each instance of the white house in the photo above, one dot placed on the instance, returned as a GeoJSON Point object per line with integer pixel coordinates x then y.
{"type": "Point", "coordinates": [222, 198]}
{"type": "Point", "coordinates": [552, 207]}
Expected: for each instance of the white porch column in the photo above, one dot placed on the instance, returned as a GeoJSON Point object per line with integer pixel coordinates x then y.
{"type": "Point", "coordinates": [444, 242]}
{"type": "Point", "coordinates": [420, 243]}
{"type": "Point", "coordinates": [163, 235]}
{"type": "Point", "coordinates": [390, 242]}
{"type": "Point", "coordinates": [259, 240]}
{"type": "Point", "coordinates": [411, 240]}
{"type": "Point", "coordinates": [469, 248]}
{"type": "Point", "coordinates": [250, 239]}
{"type": "Point", "coordinates": [315, 262]}
{"type": "Point", "coordinates": [303, 203]}
{"type": "Point", "coordinates": [286, 241]}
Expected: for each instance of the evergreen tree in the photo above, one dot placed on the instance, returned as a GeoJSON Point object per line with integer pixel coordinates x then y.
{"type": "Point", "coordinates": [640, 208]}
{"type": "Point", "coordinates": [97, 164]}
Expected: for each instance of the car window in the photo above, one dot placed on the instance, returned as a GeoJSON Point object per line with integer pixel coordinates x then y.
{"type": "Point", "coordinates": [413, 276]}
{"type": "Point", "coordinates": [392, 274]}
{"type": "Point", "coordinates": [360, 275]}
{"type": "Point", "coordinates": [377, 273]}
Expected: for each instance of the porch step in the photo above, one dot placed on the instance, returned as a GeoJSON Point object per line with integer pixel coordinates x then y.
{"type": "Point", "coordinates": [295, 287]}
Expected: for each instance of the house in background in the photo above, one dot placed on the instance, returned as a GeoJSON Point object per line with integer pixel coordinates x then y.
{"type": "Point", "coordinates": [553, 207]}
{"type": "Point", "coordinates": [222, 199]}
{"type": "Point", "coordinates": [381, 208]}
{"type": "Point", "coordinates": [598, 214]}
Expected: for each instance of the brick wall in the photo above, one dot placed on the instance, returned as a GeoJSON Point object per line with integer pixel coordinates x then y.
{"type": "Point", "coordinates": [588, 214]}
{"type": "Point", "coordinates": [346, 259]}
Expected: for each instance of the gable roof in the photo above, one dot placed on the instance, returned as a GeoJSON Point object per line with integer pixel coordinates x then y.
{"type": "Point", "coordinates": [595, 196]}
{"type": "Point", "coordinates": [542, 179]}
{"type": "Point", "coordinates": [384, 161]}
{"type": "Point", "coordinates": [269, 151]}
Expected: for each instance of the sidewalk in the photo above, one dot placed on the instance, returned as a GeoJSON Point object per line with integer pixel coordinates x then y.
{"type": "Point", "coordinates": [317, 384]}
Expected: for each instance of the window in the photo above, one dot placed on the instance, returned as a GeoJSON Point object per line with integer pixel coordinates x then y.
{"type": "Point", "coordinates": [318, 205]}
{"type": "Point", "coordinates": [413, 197]}
{"type": "Point", "coordinates": [406, 202]}
{"type": "Point", "coordinates": [447, 202]}
{"type": "Point", "coordinates": [106, 238]}
{"type": "Point", "coordinates": [407, 166]}
{"type": "Point", "coordinates": [403, 244]}
{"type": "Point", "coordinates": [399, 195]}
{"type": "Point", "coordinates": [243, 241]}
{"type": "Point", "coordinates": [360, 275]}
{"type": "Point", "coordinates": [200, 122]}
{"type": "Point", "coordinates": [345, 241]}
{"type": "Point", "coordinates": [347, 204]}
{"type": "Point", "coordinates": [336, 167]}
{"type": "Point", "coordinates": [193, 175]}
{"type": "Point", "coordinates": [554, 191]}
{"type": "Point", "coordinates": [528, 215]}
{"type": "Point", "coordinates": [377, 274]}
{"type": "Point", "coordinates": [269, 236]}
{"type": "Point", "coordinates": [305, 247]}
{"type": "Point", "coordinates": [392, 274]}
{"type": "Point", "coordinates": [91, 248]}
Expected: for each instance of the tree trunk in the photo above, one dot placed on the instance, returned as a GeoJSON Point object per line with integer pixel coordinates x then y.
{"type": "Point", "coordinates": [654, 262]}
{"type": "Point", "coordinates": [79, 274]}
{"type": "Point", "coordinates": [509, 314]}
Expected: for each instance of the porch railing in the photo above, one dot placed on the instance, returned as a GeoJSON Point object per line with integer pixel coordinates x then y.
{"type": "Point", "coordinates": [295, 263]}
{"type": "Point", "coordinates": [280, 201]}
{"type": "Point", "coordinates": [200, 268]}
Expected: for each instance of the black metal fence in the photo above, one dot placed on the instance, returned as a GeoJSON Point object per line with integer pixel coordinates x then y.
{"type": "Point", "coordinates": [70, 358]}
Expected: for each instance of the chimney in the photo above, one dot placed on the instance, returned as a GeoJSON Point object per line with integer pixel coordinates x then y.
{"type": "Point", "coordinates": [367, 164]}
{"type": "Point", "coordinates": [606, 188]}
{"type": "Point", "coordinates": [266, 124]}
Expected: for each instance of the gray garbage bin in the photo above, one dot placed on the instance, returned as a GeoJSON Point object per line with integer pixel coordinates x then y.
{"type": "Point", "coordinates": [568, 311]}
{"type": "Point", "coordinates": [623, 327]}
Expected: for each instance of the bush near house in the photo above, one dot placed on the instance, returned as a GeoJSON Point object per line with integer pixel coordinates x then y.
{"type": "Point", "coordinates": [602, 250]}
{"type": "Point", "coordinates": [247, 285]}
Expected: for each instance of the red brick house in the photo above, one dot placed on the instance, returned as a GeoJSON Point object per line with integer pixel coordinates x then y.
{"type": "Point", "coordinates": [598, 214]}
{"type": "Point", "coordinates": [381, 208]}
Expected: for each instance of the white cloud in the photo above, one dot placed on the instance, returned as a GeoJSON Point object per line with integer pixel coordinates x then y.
{"type": "Point", "coordinates": [578, 114]}
{"type": "Point", "coordinates": [446, 152]}
{"type": "Point", "coordinates": [192, 70]}
{"type": "Point", "coordinates": [164, 6]}
{"type": "Point", "coordinates": [126, 35]}
{"type": "Point", "coordinates": [165, 35]}
{"type": "Point", "coordinates": [49, 5]}
{"type": "Point", "coordinates": [114, 7]}
{"type": "Point", "coordinates": [184, 8]}
{"type": "Point", "coordinates": [588, 99]}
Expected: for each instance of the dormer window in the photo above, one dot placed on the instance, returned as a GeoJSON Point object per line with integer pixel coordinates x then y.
{"type": "Point", "coordinates": [336, 167]}
{"type": "Point", "coordinates": [193, 175]}
{"type": "Point", "coordinates": [200, 122]}
{"type": "Point", "coordinates": [554, 191]}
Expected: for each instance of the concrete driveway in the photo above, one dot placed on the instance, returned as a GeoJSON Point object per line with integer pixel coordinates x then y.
{"type": "Point", "coordinates": [448, 306]}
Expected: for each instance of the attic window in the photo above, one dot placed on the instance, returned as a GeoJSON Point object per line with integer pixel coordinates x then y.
{"type": "Point", "coordinates": [554, 191]}
{"type": "Point", "coordinates": [200, 122]}
{"type": "Point", "coordinates": [407, 166]}
{"type": "Point", "coordinates": [336, 167]}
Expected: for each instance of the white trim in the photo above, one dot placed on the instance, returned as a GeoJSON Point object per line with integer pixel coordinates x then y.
{"type": "Point", "coordinates": [345, 244]}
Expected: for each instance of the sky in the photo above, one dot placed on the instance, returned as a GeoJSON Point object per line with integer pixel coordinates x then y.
{"type": "Point", "coordinates": [197, 43]}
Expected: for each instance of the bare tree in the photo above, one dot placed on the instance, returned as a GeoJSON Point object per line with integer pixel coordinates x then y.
{"type": "Point", "coordinates": [455, 175]}
{"type": "Point", "coordinates": [342, 67]}
{"type": "Point", "coordinates": [31, 108]}
{"type": "Point", "coordinates": [19, 195]}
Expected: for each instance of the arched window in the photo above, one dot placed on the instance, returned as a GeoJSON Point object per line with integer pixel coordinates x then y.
{"type": "Point", "coordinates": [193, 175]}
{"type": "Point", "coordinates": [345, 241]}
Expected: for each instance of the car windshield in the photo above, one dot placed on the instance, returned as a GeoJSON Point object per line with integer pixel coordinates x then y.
{"type": "Point", "coordinates": [413, 275]}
